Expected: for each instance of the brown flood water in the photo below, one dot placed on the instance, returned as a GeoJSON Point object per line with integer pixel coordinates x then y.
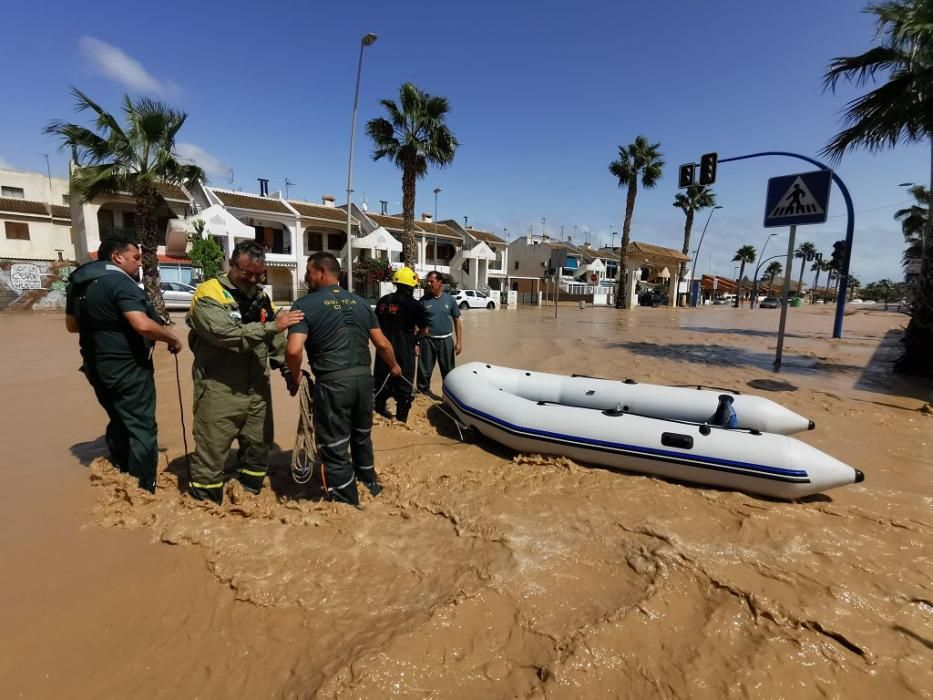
{"type": "Point", "coordinates": [479, 573]}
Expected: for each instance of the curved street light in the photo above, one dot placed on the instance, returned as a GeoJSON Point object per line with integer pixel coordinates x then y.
{"type": "Point", "coordinates": [367, 40]}
{"type": "Point", "coordinates": [693, 269]}
{"type": "Point", "coordinates": [754, 297]}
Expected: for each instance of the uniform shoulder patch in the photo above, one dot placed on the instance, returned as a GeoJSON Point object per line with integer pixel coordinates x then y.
{"type": "Point", "coordinates": [213, 290]}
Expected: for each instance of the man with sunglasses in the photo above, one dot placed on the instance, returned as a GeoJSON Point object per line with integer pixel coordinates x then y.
{"type": "Point", "coordinates": [236, 336]}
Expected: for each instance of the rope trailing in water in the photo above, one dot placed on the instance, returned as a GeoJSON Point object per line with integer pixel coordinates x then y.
{"type": "Point", "coordinates": [181, 411]}
{"type": "Point", "coordinates": [304, 455]}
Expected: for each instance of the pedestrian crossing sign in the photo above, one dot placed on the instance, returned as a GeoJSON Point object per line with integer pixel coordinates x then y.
{"type": "Point", "coordinates": [798, 199]}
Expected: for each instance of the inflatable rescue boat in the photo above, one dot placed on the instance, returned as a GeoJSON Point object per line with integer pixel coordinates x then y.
{"type": "Point", "coordinates": [670, 432]}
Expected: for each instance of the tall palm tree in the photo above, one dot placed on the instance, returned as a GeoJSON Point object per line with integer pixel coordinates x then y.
{"type": "Point", "coordinates": [745, 254]}
{"type": "Point", "coordinates": [414, 136]}
{"type": "Point", "coordinates": [804, 250]}
{"type": "Point", "coordinates": [694, 198]}
{"type": "Point", "coordinates": [818, 266]}
{"type": "Point", "coordinates": [639, 160]}
{"type": "Point", "coordinates": [772, 271]}
{"type": "Point", "coordinates": [895, 112]}
{"type": "Point", "coordinates": [913, 222]}
{"type": "Point", "coordinates": [132, 159]}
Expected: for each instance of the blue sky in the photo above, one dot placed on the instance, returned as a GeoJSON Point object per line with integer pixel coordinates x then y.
{"type": "Point", "coordinates": [542, 95]}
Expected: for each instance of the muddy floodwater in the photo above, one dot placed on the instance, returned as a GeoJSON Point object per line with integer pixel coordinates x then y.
{"type": "Point", "coordinates": [480, 573]}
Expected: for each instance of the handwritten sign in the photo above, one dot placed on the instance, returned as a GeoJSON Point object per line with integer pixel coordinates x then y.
{"type": "Point", "coordinates": [25, 276]}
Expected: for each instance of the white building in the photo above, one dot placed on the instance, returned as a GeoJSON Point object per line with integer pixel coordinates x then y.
{"type": "Point", "coordinates": [36, 242]}
{"type": "Point", "coordinates": [35, 221]}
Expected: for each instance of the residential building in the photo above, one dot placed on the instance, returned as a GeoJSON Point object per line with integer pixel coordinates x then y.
{"type": "Point", "coordinates": [482, 262]}
{"type": "Point", "coordinates": [36, 242]}
{"type": "Point", "coordinates": [35, 221]}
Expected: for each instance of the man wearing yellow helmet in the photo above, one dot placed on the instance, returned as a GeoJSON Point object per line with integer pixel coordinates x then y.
{"type": "Point", "coordinates": [403, 321]}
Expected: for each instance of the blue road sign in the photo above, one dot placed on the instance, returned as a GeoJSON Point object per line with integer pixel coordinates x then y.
{"type": "Point", "coordinates": [798, 199]}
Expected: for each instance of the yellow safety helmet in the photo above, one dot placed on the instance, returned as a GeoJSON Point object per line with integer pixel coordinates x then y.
{"type": "Point", "coordinates": [405, 275]}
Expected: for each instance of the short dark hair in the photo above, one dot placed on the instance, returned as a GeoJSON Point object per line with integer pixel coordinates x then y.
{"type": "Point", "coordinates": [251, 249]}
{"type": "Point", "coordinates": [109, 246]}
{"type": "Point", "coordinates": [436, 275]}
{"type": "Point", "coordinates": [327, 262]}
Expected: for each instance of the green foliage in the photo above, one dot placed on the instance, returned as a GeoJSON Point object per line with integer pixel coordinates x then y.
{"type": "Point", "coordinates": [414, 136]}
{"type": "Point", "coordinates": [205, 252]}
{"type": "Point", "coordinates": [640, 160]}
{"type": "Point", "coordinates": [373, 270]}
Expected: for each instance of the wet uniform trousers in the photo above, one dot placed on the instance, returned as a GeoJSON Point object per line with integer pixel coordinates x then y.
{"type": "Point", "coordinates": [438, 346]}
{"type": "Point", "coordinates": [343, 424]}
{"type": "Point", "coordinates": [399, 316]}
{"type": "Point", "coordinates": [336, 325]}
{"type": "Point", "coordinates": [126, 391]}
{"type": "Point", "coordinates": [118, 364]}
{"type": "Point", "coordinates": [234, 340]}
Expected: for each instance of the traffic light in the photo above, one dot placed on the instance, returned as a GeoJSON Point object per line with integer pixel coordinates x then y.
{"type": "Point", "coordinates": [708, 168]}
{"type": "Point", "coordinates": [686, 175]}
{"type": "Point", "coordinates": [839, 254]}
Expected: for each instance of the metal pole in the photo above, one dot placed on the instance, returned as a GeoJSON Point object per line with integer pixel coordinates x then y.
{"type": "Point", "coordinates": [754, 297]}
{"type": "Point", "coordinates": [850, 225]}
{"type": "Point", "coordinates": [364, 42]}
{"type": "Point", "coordinates": [436, 190]}
{"type": "Point", "coordinates": [701, 239]}
{"type": "Point", "coordinates": [779, 353]}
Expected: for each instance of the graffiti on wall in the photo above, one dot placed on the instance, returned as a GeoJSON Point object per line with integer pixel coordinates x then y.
{"type": "Point", "coordinates": [25, 276]}
{"type": "Point", "coordinates": [33, 285]}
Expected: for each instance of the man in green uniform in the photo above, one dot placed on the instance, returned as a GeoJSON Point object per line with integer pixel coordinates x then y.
{"type": "Point", "coordinates": [336, 331]}
{"type": "Point", "coordinates": [401, 317]}
{"type": "Point", "coordinates": [117, 329]}
{"type": "Point", "coordinates": [443, 324]}
{"type": "Point", "coordinates": [236, 336]}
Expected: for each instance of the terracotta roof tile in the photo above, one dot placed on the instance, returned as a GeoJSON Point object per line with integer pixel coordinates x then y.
{"type": "Point", "coordinates": [391, 223]}
{"type": "Point", "coordinates": [61, 212]}
{"type": "Point", "coordinates": [319, 211]}
{"type": "Point", "coordinates": [238, 200]}
{"type": "Point", "coordinates": [24, 206]}
{"type": "Point", "coordinates": [443, 230]}
{"type": "Point", "coordinates": [650, 249]}
{"type": "Point", "coordinates": [170, 191]}
{"type": "Point", "coordinates": [485, 236]}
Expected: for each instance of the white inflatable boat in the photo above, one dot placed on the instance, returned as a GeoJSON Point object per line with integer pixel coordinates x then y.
{"type": "Point", "coordinates": [604, 422]}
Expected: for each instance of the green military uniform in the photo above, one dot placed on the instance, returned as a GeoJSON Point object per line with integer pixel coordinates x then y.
{"type": "Point", "coordinates": [118, 363]}
{"type": "Point", "coordinates": [234, 339]}
{"type": "Point", "coordinates": [337, 325]}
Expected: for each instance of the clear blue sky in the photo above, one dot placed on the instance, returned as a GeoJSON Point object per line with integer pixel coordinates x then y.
{"type": "Point", "coordinates": [542, 94]}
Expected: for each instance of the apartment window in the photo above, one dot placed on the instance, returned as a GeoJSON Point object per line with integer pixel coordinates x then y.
{"type": "Point", "coordinates": [13, 192]}
{"type": "Point", "coordinates": [315, 241]}
{"type": "Point", "coordinates": [336, 241]}
{"type": "Point", "coordinates": [16, 231]}
{"type": "Point", "coordinates": [516, 264]}
{"type": "Point", "coordinates": [66, 199]}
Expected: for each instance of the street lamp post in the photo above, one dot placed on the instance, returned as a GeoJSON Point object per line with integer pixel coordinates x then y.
{"type": "Point", "coordinates": [367, 40]}
{"type": "Point", "coordinates": [437, 190]}
{"type": "Point", "coordinates": [693, 269]}
{"type": "Point", "coordinates": [754, 298]}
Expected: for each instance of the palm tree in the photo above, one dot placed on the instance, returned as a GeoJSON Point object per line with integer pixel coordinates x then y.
{"type": "Point", "coordinates": [745, 254]}
{"type": "Point", "coordinates": [414, 136]}
{"type": "Point", "coordinates": [818, 266]}
{"type": "Point", "coordinates": [696, 197]}
{"type": "Point", "coordinates": [637, 160]}
{"type": "Point", "coordinates": [804, 250]}
{"type": "Point", "coordinates": [772, 271]}
{"type": "Point", "coordinates": [895, 112]}
{"type": "Point", "coordinates": [132, 159]}
{"type": "Point", "coordinates": [913, 221]}
{"type": "Point", "coordinates": [853, 286]}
